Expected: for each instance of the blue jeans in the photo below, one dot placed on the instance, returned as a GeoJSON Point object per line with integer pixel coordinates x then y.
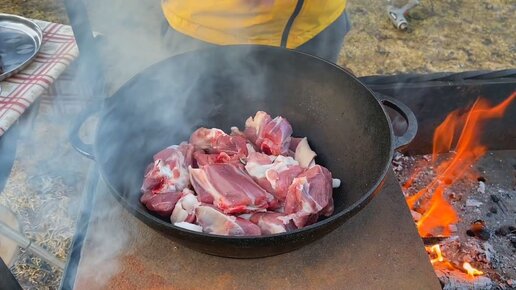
{"type": "Point", "coordinates": [326, 45]}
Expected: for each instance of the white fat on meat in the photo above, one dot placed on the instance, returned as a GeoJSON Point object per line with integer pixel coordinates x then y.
{"type": "Point", "coordinates": [216, 222]}
{"type": "Point", "coordinates": [184, 211]}
{"type": "Point", "coordinates": [254, 126]}
{"type": "Point", "coordinates": [189, 226]}
{"type": "Point", "coordinates": [172, 180]}
{"type": "Point", "coordinates": [304, 154]}
{"type": "Point", "coordinates": [335, 182]}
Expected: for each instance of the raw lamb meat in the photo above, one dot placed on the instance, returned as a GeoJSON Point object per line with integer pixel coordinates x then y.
{"type": "Point", "coordinates": [184, 210]}
{"type": "Point", "coordinates": [271, 222]}
{"type": "Point", "coordinates": [274, 173]}
{"type": "Point", "coordinates": [162, 203]}
{"type": "Point", "coordinates": [214, 221]}
{"type": "Point", "coordinates": [254, 127]}
{"type": "Point", "coordinates": [215, 141]}
{"type": "Point", "coordinates": [246, 183]}
{"type": "Point", "coordinates": [166, 177]}
{"type": "Point", "coordinates": [169, 171]}
{"type": "Point", "coordinates": [276, 137]}
{"type": "Point", "coordinates": [272, 136]}
{"type": "Point", "coordinates": [310, 194]}
{"type": "Point", "coordinates": [229, 188]}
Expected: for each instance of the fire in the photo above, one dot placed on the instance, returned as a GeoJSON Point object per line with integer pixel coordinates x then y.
{"type": "Point", "coordinates": [440, 261]}
{"type": "Point", "coordinates": [437, 250]}
{"type": "Point", "coordinates": [437, 212]}
{"type": "Point", "coordinates": [471, 271]}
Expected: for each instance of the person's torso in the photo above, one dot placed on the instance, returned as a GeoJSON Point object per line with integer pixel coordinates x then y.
{"type": "Point", "coordinates": [252, 21]}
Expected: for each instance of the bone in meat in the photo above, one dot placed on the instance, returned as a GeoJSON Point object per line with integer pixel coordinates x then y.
{"type": "Point", "coordinates": [214, 221]}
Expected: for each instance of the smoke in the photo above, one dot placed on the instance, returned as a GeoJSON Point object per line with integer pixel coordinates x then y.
{"type": "Point", "coordinates": [130, 40]}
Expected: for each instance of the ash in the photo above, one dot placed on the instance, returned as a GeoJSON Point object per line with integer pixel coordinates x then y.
{"type": "Point", "coordinates": [485, 235]}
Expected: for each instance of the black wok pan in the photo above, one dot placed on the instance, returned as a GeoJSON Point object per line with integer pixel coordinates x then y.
{"type": "Point", "coordinates": [345, 123]}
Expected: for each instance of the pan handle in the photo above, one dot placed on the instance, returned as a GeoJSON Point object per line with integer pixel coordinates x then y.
{"type": "Point", "coordinates": [407, 114]}
{"type": "Point", "coordinates": [75, 139]}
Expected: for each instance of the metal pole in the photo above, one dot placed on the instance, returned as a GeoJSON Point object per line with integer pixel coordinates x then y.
{"type": "Point", "coordinates": [27, 244]}
{"type": "Point", "coordinates": [90, 72]}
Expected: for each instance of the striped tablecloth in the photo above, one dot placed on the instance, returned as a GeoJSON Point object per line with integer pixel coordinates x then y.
{"type": "Point", "coordinates": [18, 92]}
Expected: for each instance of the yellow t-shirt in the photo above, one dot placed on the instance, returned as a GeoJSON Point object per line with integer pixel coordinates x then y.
{"type": "Point", "coordinates": [264, 22]}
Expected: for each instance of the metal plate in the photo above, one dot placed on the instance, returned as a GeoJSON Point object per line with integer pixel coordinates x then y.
{"type": "Point", "coordinates": [20, 41]}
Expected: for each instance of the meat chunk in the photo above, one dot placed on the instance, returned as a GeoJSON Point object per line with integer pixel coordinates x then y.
{"type": "Point", "coordinates": [169, 172]}
{"type": "Point", "coordinates": [215, 141]}
{"type": "Point", "coordinates": [272, 222]}
{"type": "Point", "coordinates": [162, 203]}
{"type": "Point", "coordinates": [254, 127]}
{"type": "Point", "coordinates": [276, 137]}
{"type": "Point", "coordinates": [166, 177]}
{"type": "Point", "coordinates": [184, 210]}
{"type": "Point", "coordinates": [229, 188]}
{"type": "Point", "coordinates": [309, 195]}
{"type": "Point", "coordinates": [213, 221]}
{"type": "Point", "coordinates": [274, 173]}
{"type": "Point", "coordinates": [304, 154]}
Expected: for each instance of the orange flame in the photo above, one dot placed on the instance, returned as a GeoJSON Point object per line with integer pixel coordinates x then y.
{"type": "Point", "coordinates": [471, 271]}
{"type": "Point", "coordinates": [437, 213]}
{"type": "Point", "coordinates": [437, 250]}
{"type": "Point", "coordinates": [439, 259]}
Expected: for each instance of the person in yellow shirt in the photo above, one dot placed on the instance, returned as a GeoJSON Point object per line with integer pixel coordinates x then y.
{"type": "Point", "coordinates": [317, 27]}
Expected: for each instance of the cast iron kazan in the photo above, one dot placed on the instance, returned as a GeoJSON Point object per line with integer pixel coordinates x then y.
{"type": "Point", "coordinates": [220, 87]}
